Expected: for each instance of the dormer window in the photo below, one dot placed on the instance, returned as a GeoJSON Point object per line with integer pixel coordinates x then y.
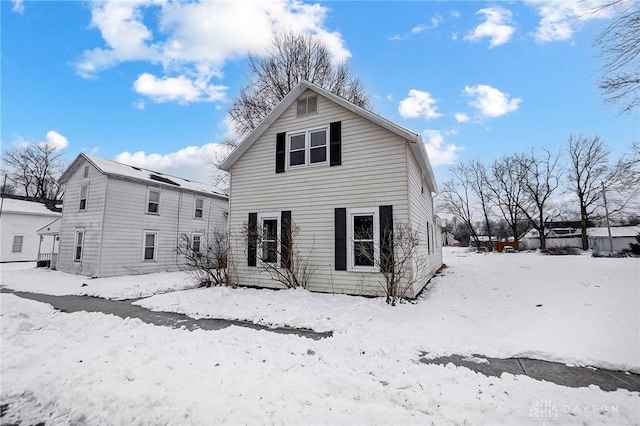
{"type": "Point", "coordinates": [307, 148]}
{"type": "Point", "coordinates": [307, 106]}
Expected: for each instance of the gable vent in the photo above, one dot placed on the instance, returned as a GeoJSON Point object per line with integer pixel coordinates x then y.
{"type": "Point", "coordinates": [307, 106]}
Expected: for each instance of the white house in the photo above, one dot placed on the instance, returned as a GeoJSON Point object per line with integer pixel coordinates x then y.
{"type": "Point", "coordinates": [342, 176]}
{"type": "Point", "coordinates": [621, 237]}
{"type": "Point", "coordinates": [121, 220]}
{"type": "Point", "coordinates": [20, 221]}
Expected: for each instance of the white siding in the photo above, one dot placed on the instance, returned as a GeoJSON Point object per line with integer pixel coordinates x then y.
{"type": "Point", "coordinates": [89, 219]}
{"type": "Point", "coordinates": [25, 225]}
{"type": "Point", "coordinates": [373, 173]}
{"type": "Point", "coordinates": [423, 221]}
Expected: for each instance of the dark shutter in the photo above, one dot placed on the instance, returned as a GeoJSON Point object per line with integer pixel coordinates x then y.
{"type": "Point", "coordinates": [335, 143]}
{"type": "Point", "coordinates": [341, 239]}
{"type": "Point", "coordinates": [252, 239]}
{"type": "Point", "coordinates": [285, 239]}
{"type": "Point", "coordinates": [280, 152]}
{"type": "Point", "coordinates": [386, 238]}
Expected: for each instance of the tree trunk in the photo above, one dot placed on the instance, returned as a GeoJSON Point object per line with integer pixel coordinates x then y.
{"type": "Point", "coordinates": [583, 227]}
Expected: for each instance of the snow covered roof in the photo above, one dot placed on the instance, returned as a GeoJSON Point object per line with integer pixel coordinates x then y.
{"type": "Point", "coordinates": [125, 171]}
{"type": "Point", "coordinates": [52, 228]}
{"type": "Point", "coordinates": [10, 205]}
{"type": "Point", "coordinates": [414, 140]}
{"type": "Point", "coordinates": [616, 231]}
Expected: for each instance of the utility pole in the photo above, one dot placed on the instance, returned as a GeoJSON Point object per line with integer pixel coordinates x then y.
{"type": "Point", "coordinates": [606, 215]}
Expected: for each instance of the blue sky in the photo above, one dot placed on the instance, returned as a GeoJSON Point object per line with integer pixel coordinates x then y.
{"type": "Point", "coordinates": [148, 82]}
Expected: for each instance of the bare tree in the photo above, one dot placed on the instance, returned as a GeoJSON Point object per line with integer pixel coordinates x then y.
{"type": "Point", "coordinates": [506, 184]}
{"type": "Point", "coordinates": [35, 169]}
{"type": "Point", "coordinates": [293, 57]}
{"type": "Point", "coordinates": [588, 169]}
{"type": "Point", "coordinates": [398, 259]}
{"type": "Point", "coordinates": [205, 257]}
{"type": "Point", "coordinates": [280, 255]}
{"type": "Point", "coordinates": [479, 180]}
{"type": "Point", "coordinates": [456, 197]}
{"type": "Point", "coordinates": [619, 45]}
{"type": "Point", "coordinates": [540, 179]}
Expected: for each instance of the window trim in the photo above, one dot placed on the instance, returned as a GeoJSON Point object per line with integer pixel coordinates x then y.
{"type": "Point", "coordinates": [76, 258]}
{"type": "Point", "coordinates": [362, 211]}
{"type": "Point", "coordinates": [144, 245]}
{"type": "Point", "coordinates": [260, 225]}
{"type": "Point", "coordinates": [13, 245]}
{"type": "Point", "coordinates": [82, 208]}
{"type": "Point", "coordinates": [151, 189]}
{"type": "Point", "coordinates": [307, 147]}
{"type": "Point", "coordinates": [195, 207]}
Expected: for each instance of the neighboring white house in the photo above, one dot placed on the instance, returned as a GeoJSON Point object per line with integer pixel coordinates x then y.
{"type": "Point", "coordinates": [120, 220]}
{"type": "Point", "coordinates": [598, 237]}
{"type": "Point", "coordinates": [342, 176]}
{"type": "Point", "coordinates": [621, 237]}
{"type": "Point", "coordinates": [19, 222]}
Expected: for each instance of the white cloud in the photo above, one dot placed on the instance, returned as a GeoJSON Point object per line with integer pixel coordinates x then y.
{"type": "Point", "coordinates": [194, 40]}
{"type": "Point", "coordinates": [491, 102]}
{"type": "Point", "coordinates": [191, 162]}
{"type": "Point", "coordinates": [559, 19]}
{"type": "Point", "coordinates": [498, 26]}
{"type": "Point", "coordinates": [435, 22]}
{"type": "Point", "coordinates": [18, 6]}
{"type": "Point", "coordinates": [461, 117]}
{"type": "Point", "coordinates": [439, 152]}
{"type": "Point", "coordinates": [56, 140]}
{"type": "Point", "coordinates": [418, 104]}
{"type": "Point", "coordinates": [179, 89]}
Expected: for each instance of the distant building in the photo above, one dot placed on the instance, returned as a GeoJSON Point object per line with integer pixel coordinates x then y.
{"type": "Point", "coordinates": [20, 220]}
{"type": "Point", "coordinates": [121, 220]}
{"type": "Point", "coordinates": [598, 238]}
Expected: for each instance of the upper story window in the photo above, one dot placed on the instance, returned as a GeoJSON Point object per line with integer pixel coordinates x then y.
{"type": "Point", "coordinates": [84, 194]}
{"type": "Point", "coordinates": [199, 208]}
{"type": "Point", "coordinates": [153, 201]}
{"type": "Point", "coordinates": [307, 106]}
{"type": "Point", "coordinates": [86, 171]}
{"type": "Point", "coordinates": [307, 148]}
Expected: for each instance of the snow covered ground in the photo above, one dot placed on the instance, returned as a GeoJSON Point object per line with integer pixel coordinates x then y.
{"type": "Point", "coordinates": [25, 277]}
{"type": "Point", "coordinates": [89, 368]}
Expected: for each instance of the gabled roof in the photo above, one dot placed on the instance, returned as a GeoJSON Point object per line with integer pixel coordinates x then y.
{"type": "Point", "coordinates": [112, 168]}
{"type": "Point", "coordinates": [52, 228]}
{"type": "Point", "coordinates": [414, 140]}
{"type": "Point", "coordinates": [616, 231]}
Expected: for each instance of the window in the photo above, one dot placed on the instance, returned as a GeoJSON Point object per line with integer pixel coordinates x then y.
{"type": "Point", "coordinates": [153, 201]}
{"type": "Point", "coordinates": [307, 148]}
{"type": "Point", "coordinates": [307, 106]}
{"type": "Point", "coordinates": [268, 237]}
{"type": "Point", "coordinates": [17, 244]}
{"type": "Point", "coordinates": [86, 171]}
{"type": "Point", "coordinates": [150, 245]}
{"type": "Point", "coordinates": [196, 240]}
{"type": "Point", "coordinates": [199, 210]}
{"type": "Point", "coordinates": [79, 247]}
{"type": "Point", "coordinates": [428, 239]}
{"type": "Point", "coordinates": [84, 193]}
{"type": "Point", "coordinates": [364, 252]}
